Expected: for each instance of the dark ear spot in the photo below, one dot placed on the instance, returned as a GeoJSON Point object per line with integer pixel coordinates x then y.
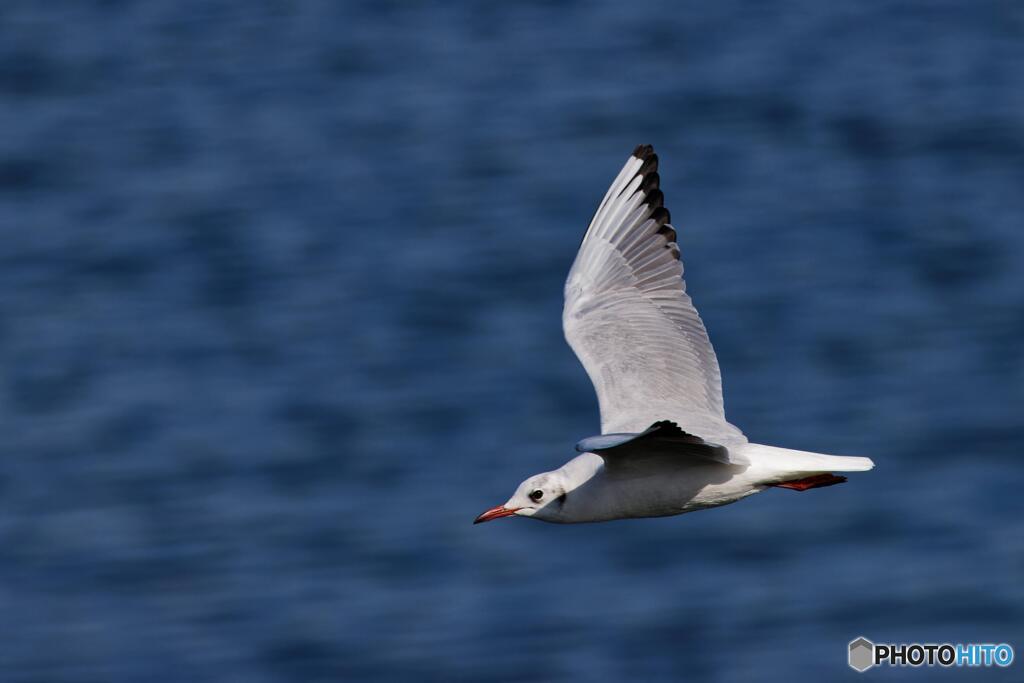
{"type": "Point", "coordinates": [561, 499]}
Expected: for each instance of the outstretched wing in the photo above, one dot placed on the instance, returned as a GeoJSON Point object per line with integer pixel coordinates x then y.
{"type": "Point", "coordinates": [629, 320]}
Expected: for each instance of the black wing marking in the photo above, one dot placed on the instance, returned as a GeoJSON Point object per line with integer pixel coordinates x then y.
{"type": "Point", "coordinates": [662, 436]}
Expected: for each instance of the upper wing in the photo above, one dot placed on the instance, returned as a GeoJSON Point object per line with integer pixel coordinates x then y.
{"type": "Point", "coordinates": [629, 320]}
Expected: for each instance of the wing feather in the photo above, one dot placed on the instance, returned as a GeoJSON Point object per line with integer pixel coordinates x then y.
{"type": "Point", "coordinates": [629, 320]}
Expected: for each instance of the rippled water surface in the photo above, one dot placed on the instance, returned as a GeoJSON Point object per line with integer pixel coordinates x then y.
{"type": "Point", "coordinates": [280, 294]}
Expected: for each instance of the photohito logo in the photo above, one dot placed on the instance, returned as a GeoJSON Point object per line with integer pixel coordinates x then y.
{"type": "Point", "coordinates": [864, 654]}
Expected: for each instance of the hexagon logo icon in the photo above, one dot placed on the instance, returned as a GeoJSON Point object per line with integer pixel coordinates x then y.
{"type": "Point", "coordinates": [862, 654]}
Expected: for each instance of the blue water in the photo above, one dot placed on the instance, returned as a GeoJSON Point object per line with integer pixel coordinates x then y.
{"type": "Point", "coordinates": [280, 296]}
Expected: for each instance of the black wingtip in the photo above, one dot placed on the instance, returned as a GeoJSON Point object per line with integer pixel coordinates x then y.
{"type": "Point", "coordinates": [652, 181]}
{"type": "Point", "coordinates": [654, 198]}
{"type": "Point", "coordinates": [649, 172]}
{"type": "Point", "coordinates": [669, 233]}
{"type": "Point", "coordinates": [643, 151]}
{"type": "Point", "coordinates": [650, 164]}
{"type": "Point", "coordinates": [661, 216]}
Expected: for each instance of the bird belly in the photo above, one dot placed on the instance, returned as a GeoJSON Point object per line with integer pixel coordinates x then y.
{"type": "Point", "coordinates": [663, 493]}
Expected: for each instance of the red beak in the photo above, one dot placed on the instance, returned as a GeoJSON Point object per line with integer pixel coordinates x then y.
{"type": "Point", "coordinates": [495, 513]}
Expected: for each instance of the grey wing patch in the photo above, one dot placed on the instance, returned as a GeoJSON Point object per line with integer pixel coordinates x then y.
{"type": "Point", "coordinates": [604, 442]}
{"type": "Point", "coordinates": [662, 436]}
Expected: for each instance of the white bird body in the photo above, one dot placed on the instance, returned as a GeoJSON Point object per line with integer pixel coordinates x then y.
{"type": "Point", "coordinates": [666, 447]}
{"type": "Point", "coordinates": [672, 485]}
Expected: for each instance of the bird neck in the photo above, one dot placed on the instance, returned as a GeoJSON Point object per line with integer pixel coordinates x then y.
{"type": "Point", "coordinates": [583, 484]}
{"type": "Point", "coordinates": [580, 470]}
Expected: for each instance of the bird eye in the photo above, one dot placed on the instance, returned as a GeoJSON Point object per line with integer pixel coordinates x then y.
{"type": "Point", "coordinates": [536, 495]}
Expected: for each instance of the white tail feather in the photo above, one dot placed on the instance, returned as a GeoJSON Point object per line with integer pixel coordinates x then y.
{"type": "Point", "coordinates": [791, 462]}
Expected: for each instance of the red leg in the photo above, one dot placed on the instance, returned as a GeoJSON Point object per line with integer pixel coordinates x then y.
{"type": "Point", "coordinates": [815, 482]}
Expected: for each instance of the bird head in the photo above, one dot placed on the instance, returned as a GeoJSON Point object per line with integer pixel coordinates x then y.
{"type": "Point", "coordinates": [541, 496]}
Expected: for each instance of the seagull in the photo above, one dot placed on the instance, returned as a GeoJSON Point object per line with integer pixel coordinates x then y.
{"type": "Point", "coordinates": [665, 446]}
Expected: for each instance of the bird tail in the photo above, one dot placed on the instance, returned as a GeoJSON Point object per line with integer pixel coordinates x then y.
{"type": "Point", "coordinates": [786, 464]}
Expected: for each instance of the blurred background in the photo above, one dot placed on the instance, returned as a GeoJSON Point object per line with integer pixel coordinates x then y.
{"type": "Point", "coordinates": [280, 300]}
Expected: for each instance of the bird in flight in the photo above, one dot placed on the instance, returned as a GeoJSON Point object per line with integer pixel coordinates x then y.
{"type": "Point", "coordinates": [665, 446]}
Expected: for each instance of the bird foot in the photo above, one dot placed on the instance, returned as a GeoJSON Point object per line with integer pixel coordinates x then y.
{"type": "Point", "coordinates": [815, 482]}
